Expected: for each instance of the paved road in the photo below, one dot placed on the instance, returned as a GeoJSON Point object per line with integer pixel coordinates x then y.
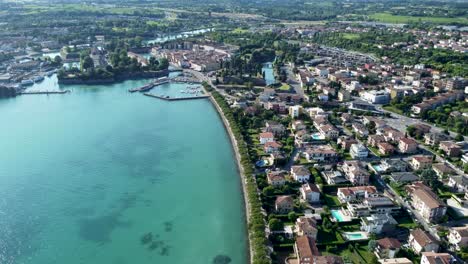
{"type": "Point", "coordinates": [292, 80]}
{"type": "Point", "coordinates": [414, 213]}
{"type": "Point", "coordinates": [401, 122]}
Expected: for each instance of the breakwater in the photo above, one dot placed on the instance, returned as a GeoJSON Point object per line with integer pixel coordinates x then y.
{"type": "Point", "coordinates": [177, 98]}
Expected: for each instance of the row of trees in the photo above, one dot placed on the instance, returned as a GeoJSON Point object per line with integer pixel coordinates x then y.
{"type": "Point", "coordinates": [257, 225]}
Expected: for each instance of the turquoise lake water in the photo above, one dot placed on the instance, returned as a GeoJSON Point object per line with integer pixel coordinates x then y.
{"type": "Point", "coordinates": [84, 176]}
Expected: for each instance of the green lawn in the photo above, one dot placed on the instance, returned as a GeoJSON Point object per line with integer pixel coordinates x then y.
{"type": "Point", "coordinates": [328, 237]}
{"type": "Point", "coordinates": [285, 87]}
{"type": "Point", "coordinates": [393, 109]}
{"type": "Point", "coordinates": [389, 18]}
{"type": "Point", "coordinates": [331, 200]}
{"type": "Point", "coordinates": [351, 36]}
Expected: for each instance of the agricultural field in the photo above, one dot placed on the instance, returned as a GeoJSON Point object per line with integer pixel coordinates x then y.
{"type": "Point", "coordinates": [389, 18]}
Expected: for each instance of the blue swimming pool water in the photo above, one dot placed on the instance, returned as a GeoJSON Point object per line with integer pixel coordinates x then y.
{"type": "Point", "coordinates": [337, 215]}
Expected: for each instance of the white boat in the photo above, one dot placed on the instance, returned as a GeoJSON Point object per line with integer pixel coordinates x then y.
{"type": "Point", "coordinates": [27, 82]}
{"type": "Point", "coordinates": [39, 78]}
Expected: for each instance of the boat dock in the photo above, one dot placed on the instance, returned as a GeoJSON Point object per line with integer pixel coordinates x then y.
{"type": "Point", "coordinates": [167, 98]}
{"type": "Point", "coordinates": [45, 92]}
{"type": "Point", "coordinates": [149, 86]}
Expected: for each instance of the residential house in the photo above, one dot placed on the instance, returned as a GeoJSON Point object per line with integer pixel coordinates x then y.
{"type": "Point", "coordinates": [421, 162]}
{"type": "Point", "coordinates": [385, 148]}
{"type": "Point", "coordinates": [443, 170]}
{"type": "Point", "coordinates": [295, 111]}
{"type": "Point", "coordinates": [373, 140]}
{"type": "Point", "coordinates": [306, 226]}
{"type": "Point", "coordinates": [436, 258]}
{"type": "Point", "coordinates": [403, 177]}
{"type": "Point", "coordinates": [351, 194]}
{"type": "Point", "coordinates": [346, 118]}
{"type": "Point", "coordinates": [387, 247]}
{"type": "Point", "coordinates": [271, 147]}
{"type": "Point", "coordinates": [450, 148]}
{"type": "Point", "coordinates": [320, 153]}
{"type": "Point", "coordinates": [328, 131]}
{"type": "Point", "coordinates": [378, 223]}
{"type": "Point", "coordinates": [334, 177]}
{"type": "Point", "coordinates": [433, 139]}
{"type": "Point", "coordinates": [310, 192]}
{"type": "Point", "coordinates": [392, 135]}
{"type": "Point", "coordinates": [355, 172]}
{"type": "Point", "coordinates": [305, 249]}
{"type": "Point", "coordinates": [344, 95]}
{"type": "Point", "coordinates": [274, 127]}
{"type": "Point", "coordinates": [300, 173]}
{"type": "Point", "coordinates": [458, 237]}
{"type": "Point", "coordinates": [372, 205]}
{"type": "Point", "coordinates": [407, 145]}
{"type": "Point", "coordinates": [358, 151]}
{"type": "Point", "coordinates": [284, 204]}
{"type": "Point", "coordinates": [360, 129]}
{"type": "Point", "coordinates": [298, 125]}
{"type": "Point", "coordinates": [302, 138]}
{"type": "Point", "coordinates": [458, 183]}
{"type": "Point", "coordinates": [276, 178]}
{"type": "Point", "coordinates": [346, 142]}
{"type": "Point", "coordinates": [395, 261]}
{"type": "Point", "coordinates": [266, 137]}
{"type": "Point", "coordinates": [426, 202]}
{"type": "Point", "coordinates": [379, 123]}
{"type": "Point", "coordinates": [393, 165]}
{"type": "Point", "coordinates": [420, 241]}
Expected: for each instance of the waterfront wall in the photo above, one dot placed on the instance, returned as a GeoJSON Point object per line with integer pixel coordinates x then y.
{"type": "Point", "coordinates": [255, 217]}
{"type": "Point", "coordinates": [117, 78]}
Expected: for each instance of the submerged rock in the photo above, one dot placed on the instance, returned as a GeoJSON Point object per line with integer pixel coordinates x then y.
{"type": "Point", "coordinates": [221, 259]}
{"type": "Point", "coordinates": [146, 238]}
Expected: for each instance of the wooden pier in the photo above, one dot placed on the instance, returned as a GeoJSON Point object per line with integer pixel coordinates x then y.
{"type": "Point", "coordinates": [176, 98]}
{"type": "Point", "coordinates": [45, 92]}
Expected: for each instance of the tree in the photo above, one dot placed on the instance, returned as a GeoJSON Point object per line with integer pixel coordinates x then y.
{"type": "Point", "coordinates": [429, 177]}
{"type": "Point", "coordinates": [446, 132]}
{"type": "Point", "coordinates": [58, 59]}
{"type": "Point", "coordinates": [372, 245]}
{"type": "Point", "coordinates": [292, 216]}
{"type": "Point", "coordinates": [268, 191]}
{"type": "Point", "coordinates": [275, 224]}
{"type": "Point", "coordinates": [87, 63]}
{"type": "Point", "coordinates": [459, 137]}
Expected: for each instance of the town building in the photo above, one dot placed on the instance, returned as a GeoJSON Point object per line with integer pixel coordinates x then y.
{"type": "Point", "coordinates": [420, 241]}
{"type": "Point", "coordinates": [355, 172]}
{"type": "Point", "coordinates": [458, 237]}
{"type": "Point", "coordinates": [387, 247]}
{"type": "Point", "coordinates": [351, 194]}
{"type": "Point", "coordinates": [358, 151]}
{"type": "Point", "coordinates": [300, 173]}
{"type": "Point", "coordinates": [306, 226]}
{"type": "Point", "coordinates": [310, 193]}
{"type": "Point", "coordinates": [426, 203]}
{"type": "Point", "coordinates": [407, 146]}
{"type": "Point", "coordinates": [436, 258]}
{"type": "Point", "coordinates": [276, 178]}
{"type": "Point", "coordinates": [284, 204]}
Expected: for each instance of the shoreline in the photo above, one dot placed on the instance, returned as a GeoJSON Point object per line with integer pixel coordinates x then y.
{"type": "Point", "coordinates": [240, 169]}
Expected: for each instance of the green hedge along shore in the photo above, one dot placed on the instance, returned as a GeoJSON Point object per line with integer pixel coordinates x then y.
{"type": "Point", "coordinates": [256, 218]}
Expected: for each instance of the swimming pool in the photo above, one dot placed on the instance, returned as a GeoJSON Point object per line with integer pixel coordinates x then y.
{"type": "Point", "coordinates": [356, 235]}
{"type": "Point", "coordinates": [378, 168]}
{"type": "Point", "coordinates": [317, 136]}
